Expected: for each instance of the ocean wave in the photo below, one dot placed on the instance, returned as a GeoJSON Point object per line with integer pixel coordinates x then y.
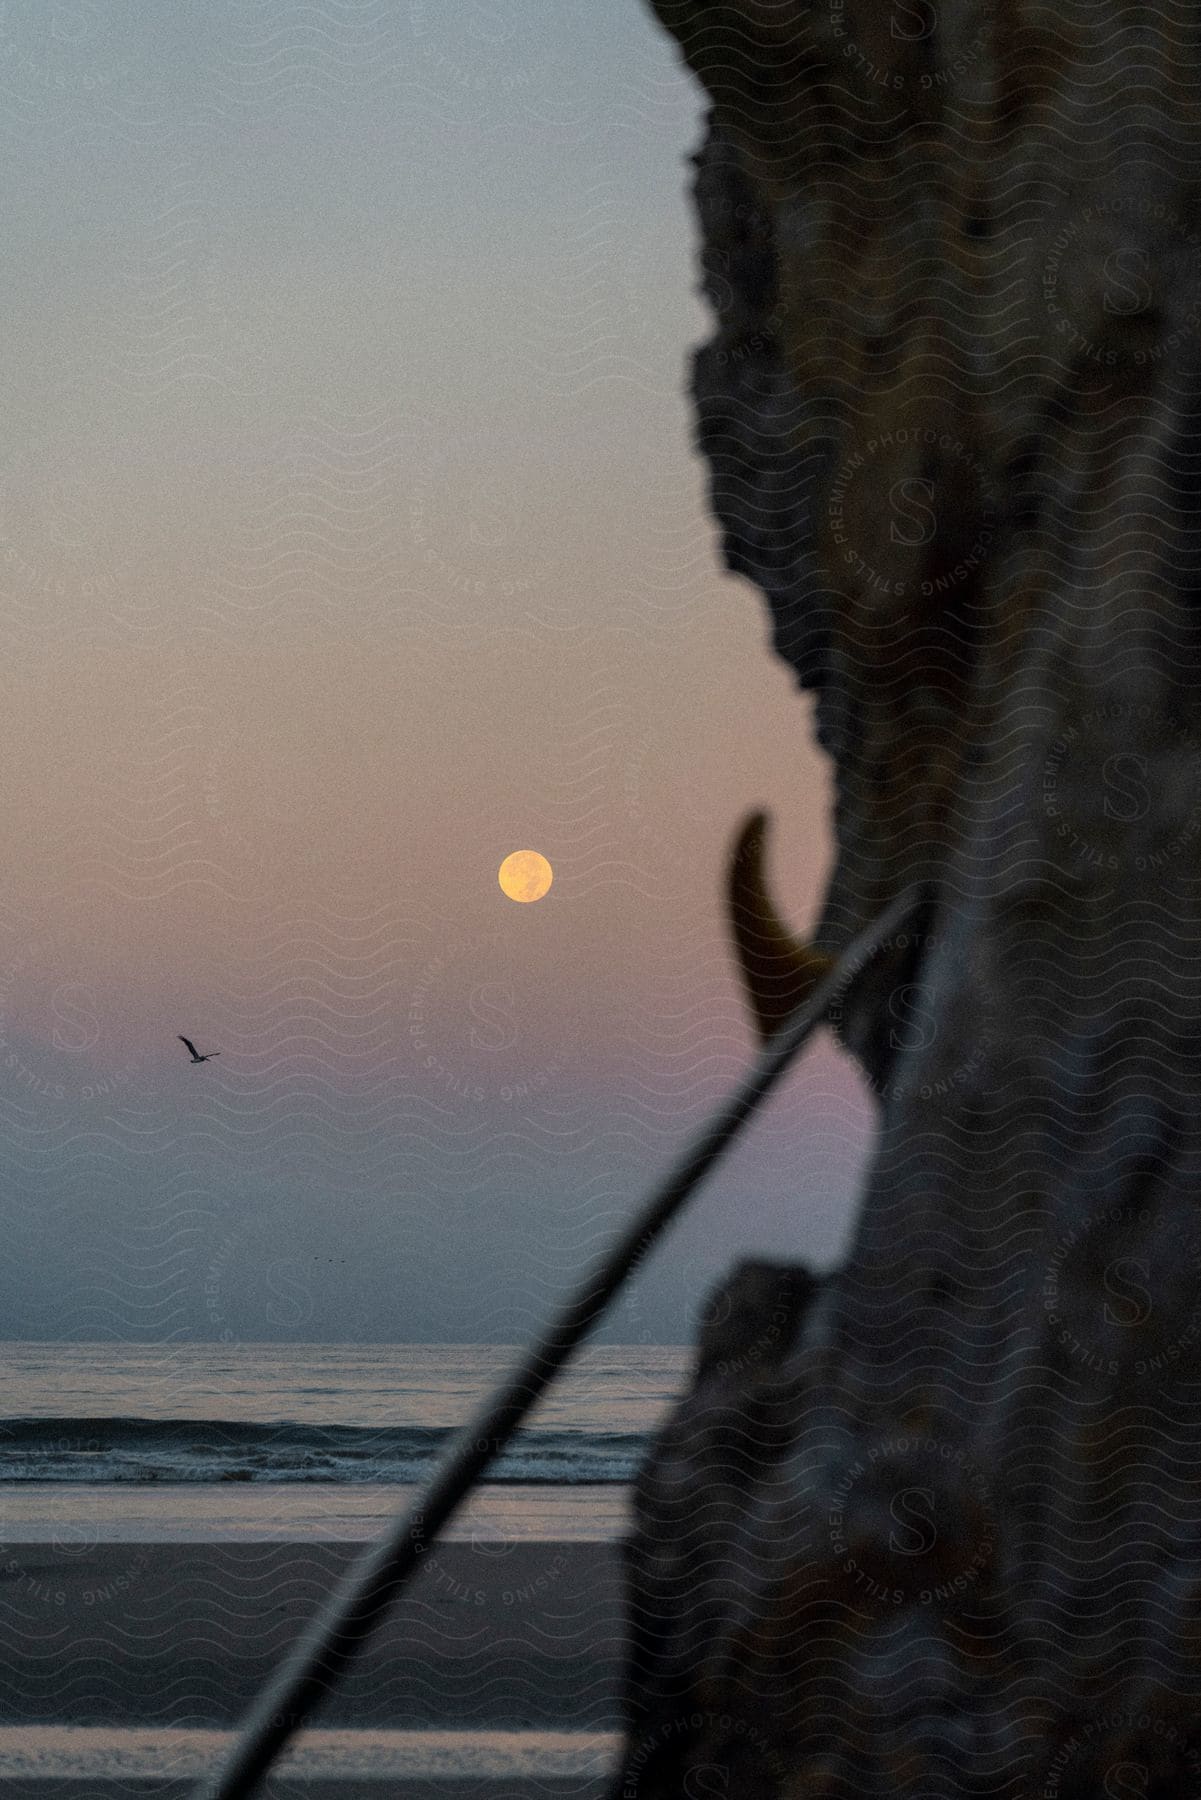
{"type": "Point", "coordinates": [190, 1450]}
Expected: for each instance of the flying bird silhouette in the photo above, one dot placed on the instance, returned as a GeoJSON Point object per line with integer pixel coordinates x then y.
{"type": "Point", "coordinates": [196, 1056]}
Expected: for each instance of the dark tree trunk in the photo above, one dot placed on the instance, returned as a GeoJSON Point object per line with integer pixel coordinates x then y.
{"type": "Point", "coordinates": [932, 1527]}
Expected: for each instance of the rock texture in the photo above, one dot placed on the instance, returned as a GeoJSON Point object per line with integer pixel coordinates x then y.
{"type": "Point", "coordinates": [932, 1527]}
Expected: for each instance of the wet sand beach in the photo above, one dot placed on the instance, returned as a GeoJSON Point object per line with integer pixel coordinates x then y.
{"type": "Point", "coordinates": [122, 1655]}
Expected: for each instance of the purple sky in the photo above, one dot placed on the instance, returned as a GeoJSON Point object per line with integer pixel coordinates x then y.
{"type": "Point", "coordinates": [351, 538]}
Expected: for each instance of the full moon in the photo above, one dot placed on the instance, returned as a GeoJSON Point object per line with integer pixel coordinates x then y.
{"type": "Point", "coordinates": [525, 875]}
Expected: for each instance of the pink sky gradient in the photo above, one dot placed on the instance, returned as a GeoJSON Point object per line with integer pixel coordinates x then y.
{"type": "Point", "coordinates": [351, 538]}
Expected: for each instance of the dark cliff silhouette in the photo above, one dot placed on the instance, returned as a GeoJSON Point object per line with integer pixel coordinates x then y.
{"type": "Point", "coordinates": [929, 1526]}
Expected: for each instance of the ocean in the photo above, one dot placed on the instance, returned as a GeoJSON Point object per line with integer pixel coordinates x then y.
{"type": "Point", "coordinates": [170, 1517]}
{"type": "Point", "coordinates": [309, 1413]}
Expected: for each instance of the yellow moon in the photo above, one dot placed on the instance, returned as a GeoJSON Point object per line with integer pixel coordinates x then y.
{"type": "Point", "coordinates": [525, 875]}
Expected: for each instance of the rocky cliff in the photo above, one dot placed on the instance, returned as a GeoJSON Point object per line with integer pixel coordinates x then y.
{"type": "Point", "coordinates": [932, 1526]}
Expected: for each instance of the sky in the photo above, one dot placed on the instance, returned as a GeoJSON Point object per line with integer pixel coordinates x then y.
{"type": "Point", "coordinates": [351, 538]}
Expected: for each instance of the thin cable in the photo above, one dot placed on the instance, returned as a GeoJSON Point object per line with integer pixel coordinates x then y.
{"type": "Point", "coordinates": [357, 1604]}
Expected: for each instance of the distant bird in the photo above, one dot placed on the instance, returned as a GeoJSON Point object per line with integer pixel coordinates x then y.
{"type": "Point", "coordinates": [196, 1056]}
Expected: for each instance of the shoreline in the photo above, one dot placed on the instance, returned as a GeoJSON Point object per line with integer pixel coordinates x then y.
{"type": "Point", "coordinates": [83, 1514]}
